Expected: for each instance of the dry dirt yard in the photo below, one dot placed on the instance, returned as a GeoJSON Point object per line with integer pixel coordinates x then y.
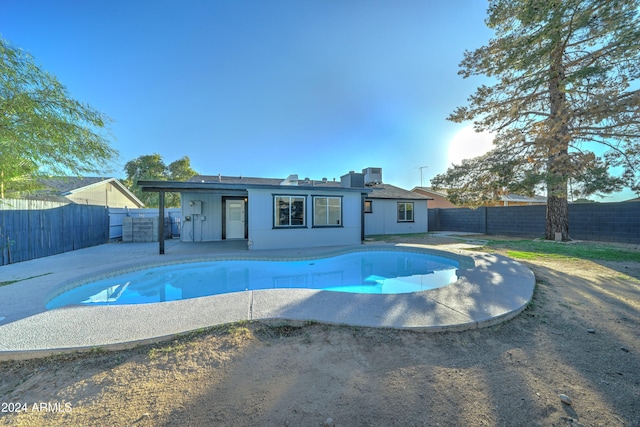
{"type": "Point", "coordinates": [580, 337]}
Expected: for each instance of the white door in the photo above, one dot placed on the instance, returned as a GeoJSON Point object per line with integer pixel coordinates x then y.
{"type": "Point", "coordinates": [235, 219]}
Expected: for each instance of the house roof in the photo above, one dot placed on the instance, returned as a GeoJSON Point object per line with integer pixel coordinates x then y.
{"type": "Point", "coordinates": [64, 185]}
{"type": "Point", "coordinates": [439, 198]}
{"type": "Point", "coordinates": [245, 180]}
{"type": "Point", "coordinates": [67, 185]}
{"type": "Point", "coordinates": [239, 183]}
{"type": "Point", "coordinates": [242, 183]}
{"type": "Point", "coordinates": [442, 192]}
{"type": "Point", "coordinates": [388, 191]}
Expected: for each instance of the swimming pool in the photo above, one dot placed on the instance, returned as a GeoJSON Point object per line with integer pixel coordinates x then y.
{"type": "Point", "coordinates": [371, 272]}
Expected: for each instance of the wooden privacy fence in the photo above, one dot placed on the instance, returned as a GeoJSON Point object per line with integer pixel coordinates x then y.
{"type": "Point", "coordinates": [35, 228]}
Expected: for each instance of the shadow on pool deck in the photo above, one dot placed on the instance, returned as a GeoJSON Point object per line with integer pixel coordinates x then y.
{"type": "Point", "coordinates": [497, 288]}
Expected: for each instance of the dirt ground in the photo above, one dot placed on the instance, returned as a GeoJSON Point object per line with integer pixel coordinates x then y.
{"type": "Point", "coordinates": [580, 337]}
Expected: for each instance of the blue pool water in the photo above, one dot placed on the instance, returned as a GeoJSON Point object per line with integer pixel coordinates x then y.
{"type": "Point", "coordinates": [371, 272]}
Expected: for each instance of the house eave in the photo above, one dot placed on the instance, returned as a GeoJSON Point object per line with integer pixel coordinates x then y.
{"type": "Point", "coordinates": [113, 181]}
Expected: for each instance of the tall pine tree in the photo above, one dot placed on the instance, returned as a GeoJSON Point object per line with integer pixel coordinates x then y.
{"type": "Point", "coordinates": [564, 104]}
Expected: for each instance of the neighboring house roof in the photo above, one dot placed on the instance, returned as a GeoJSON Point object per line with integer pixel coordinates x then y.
{"type": "Point", "coordinates": [66, 186]}
{"type": "Point", "coordinates": [637, 199]}
{"type": "Point", "coordinates": [440, 200]}
{"type": "Point", "coordinates": [388, 191]}
{"type": "Point", "coordinates": [516, 198]}
{"type": "Point", "coordinates": [439, 197]}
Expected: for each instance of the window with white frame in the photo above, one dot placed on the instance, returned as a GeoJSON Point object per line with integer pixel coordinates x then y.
{"type": "Point", "coordinates": [327, 211]}
{"type": "Point", "coordinates": [289, 211]}
{"type": "Point", "coordinates": [405, 211]}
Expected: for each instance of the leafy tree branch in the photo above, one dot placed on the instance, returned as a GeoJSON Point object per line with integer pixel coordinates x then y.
{"type": "Point", "coordinates": [42, 129]}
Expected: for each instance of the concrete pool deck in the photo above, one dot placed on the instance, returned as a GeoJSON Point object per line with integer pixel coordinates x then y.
{"type": "Point", "coordinates": [491, 288]}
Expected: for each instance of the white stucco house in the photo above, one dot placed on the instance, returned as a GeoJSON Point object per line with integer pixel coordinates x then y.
{"type": "Point", "coordinates": [292, 213]}
{"type": "Point", "coordinates": [393, 210]}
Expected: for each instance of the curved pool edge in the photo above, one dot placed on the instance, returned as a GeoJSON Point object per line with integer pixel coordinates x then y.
{"type": "Point", "coordinates": [464, 261]}
{"type": "Point", "coordinates": [493, 291]}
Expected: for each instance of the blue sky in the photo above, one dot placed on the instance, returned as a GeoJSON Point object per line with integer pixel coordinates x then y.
{"type": "Point", "coordinates": [267, 88]}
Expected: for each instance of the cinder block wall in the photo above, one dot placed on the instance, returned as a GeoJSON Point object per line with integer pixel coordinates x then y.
{"type": "Point", "coordinates": [143, 229]}
{"type": "Point", "coordinates": [523, 221]}
{"type": "Point", "coordinates": [607, 222]}
{"type": "Point", "coordinates": [463, 219]}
